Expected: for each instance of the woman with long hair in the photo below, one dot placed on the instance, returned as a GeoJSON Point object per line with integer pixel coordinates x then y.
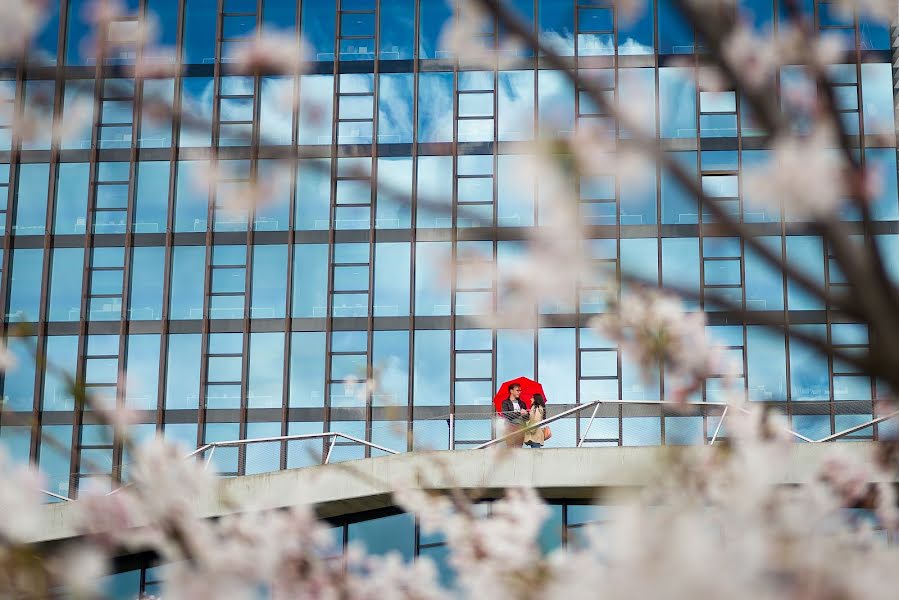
{"type": "Point", "coordinates": [535, 437]}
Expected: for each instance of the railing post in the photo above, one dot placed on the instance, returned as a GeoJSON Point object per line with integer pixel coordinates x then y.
{"type": "Point", "coordinates": [589, 425]}
{"type": "Point", "coordinates": [720, 423]}
{"type": "Point", "coordinates": [330, 447]}
{"type": "Point", "coordinates": [452, 432]}
{"type": "Point", "coordinates": [209, 458]}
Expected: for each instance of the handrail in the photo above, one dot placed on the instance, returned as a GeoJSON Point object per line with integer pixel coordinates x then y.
{"type": "Point", "coordinates": [57, 496]}
{"type": "Point", "coordinates": [581, 407]}
{"type": "Point", "coordinates": [742, 409]}
{"type": "Point", "coordinates": [288, 438]}
{"type": "Point", "coordinates": [859, 427]}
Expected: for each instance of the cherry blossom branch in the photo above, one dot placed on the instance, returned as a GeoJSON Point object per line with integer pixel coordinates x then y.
{"type": "Point", "coordinates": [769, 320]}
{"type": "Point", "coordinates": [650, 147]}
{"type": "Point", "coordinates": [873, 292]}
{"type": "Point", "coordinates": [858, 188]}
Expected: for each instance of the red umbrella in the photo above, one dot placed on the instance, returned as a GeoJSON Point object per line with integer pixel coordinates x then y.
{"type": "Point", "coordinates": [529, 387]}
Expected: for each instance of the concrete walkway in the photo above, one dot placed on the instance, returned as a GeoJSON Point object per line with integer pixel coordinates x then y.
{"type": "Point", "coordinates": [362, 485]}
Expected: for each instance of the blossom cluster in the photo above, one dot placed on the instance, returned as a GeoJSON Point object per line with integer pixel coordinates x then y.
{"type": "Point", "coordinates": [657, 332]}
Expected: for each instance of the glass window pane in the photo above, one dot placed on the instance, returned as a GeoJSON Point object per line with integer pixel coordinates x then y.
{"type": "Point", "coordinates": [269, 295]}
{"type": "Point", "coordinates": [71, 198]}
{"type": "Point", "coordinates": [152, 201]}
{"type": "Point", "coordinates": [67, 271]}
{"type": "Point", "coordinates": [191, 198]}
{"type": "Point", "coordinates": [431, 368]}
{"type": "Point", "coordinates": [310, 280]}
{"type": "Point", "coordinates": [62, 351]}
{"type": "Point", "coordinates": [386, 534]}
{"type": "Point", "coordinates": [390, 360]}
{"type": "Point", "coordinates": [18, 384]}
{"type": "Point", "coordinates": [147, 266]}
{"type": "Point", "coordinates": [187, 289]}
{"type": "Point", "coordinates": [25, 285]}
{"type": "Point", "coordinates": [265, 383]}
{"type": "Point", "coordinates": [307, 369]}
{"type": "Point", "coordinates": [142, 372]}
{"type": "Point", "coordinates": [31, 202]}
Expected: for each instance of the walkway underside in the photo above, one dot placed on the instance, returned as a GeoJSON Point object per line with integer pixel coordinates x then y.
{"type": "Point", "coordinates": [363, 485]}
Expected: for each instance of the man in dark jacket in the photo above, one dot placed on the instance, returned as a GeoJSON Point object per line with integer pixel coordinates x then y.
{"type": "Point", "coordinates": [515, 412]}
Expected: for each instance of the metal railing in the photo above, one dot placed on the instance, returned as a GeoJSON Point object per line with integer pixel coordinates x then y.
{"type": "Point", "coordinates": [597, 403]}
{"type": "Point", "coordinates": [211, 446]}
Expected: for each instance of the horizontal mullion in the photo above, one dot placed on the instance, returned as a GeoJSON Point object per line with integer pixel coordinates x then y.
{"type": "Point", "coordinates": [352, 264]}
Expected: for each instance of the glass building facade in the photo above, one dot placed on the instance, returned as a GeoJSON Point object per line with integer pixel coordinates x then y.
{"type": "Point", "coordinates": [214, 325]}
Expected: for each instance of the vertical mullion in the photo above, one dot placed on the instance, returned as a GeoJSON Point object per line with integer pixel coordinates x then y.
{"type": "Point", "coordinates": [372, 211]}
{"type": "Point", "coordinates": [209, 241]}
{"type": "Point", "coordinates": [11, 197]}
{"type": "Point", "coordinates": [169, 247]}
{"type": "Point", "coordinates": [42, 318]}
{"type": "Point", "coordinates": [125, 318]}
{"type": "Point", "coordinates": [248, 267]}
{"type": "Point", "coordinates": [413, 217]}
{"type": "Point", "coordinates": [453, 231]}
{"type": "Point", "coordinates": [78, 416]}
{"type": "Point", "coordinates": [494, 300]}
{"type": "Point", "coordinates": [859, 94]}
{"type": "Point", "coordinates": [332, 198]}
{"type": "Point", "coordinates": [291, 245]}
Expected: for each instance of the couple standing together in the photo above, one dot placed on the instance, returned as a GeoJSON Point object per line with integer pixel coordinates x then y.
{"type": "Point", "coordinates": [520, 421]}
